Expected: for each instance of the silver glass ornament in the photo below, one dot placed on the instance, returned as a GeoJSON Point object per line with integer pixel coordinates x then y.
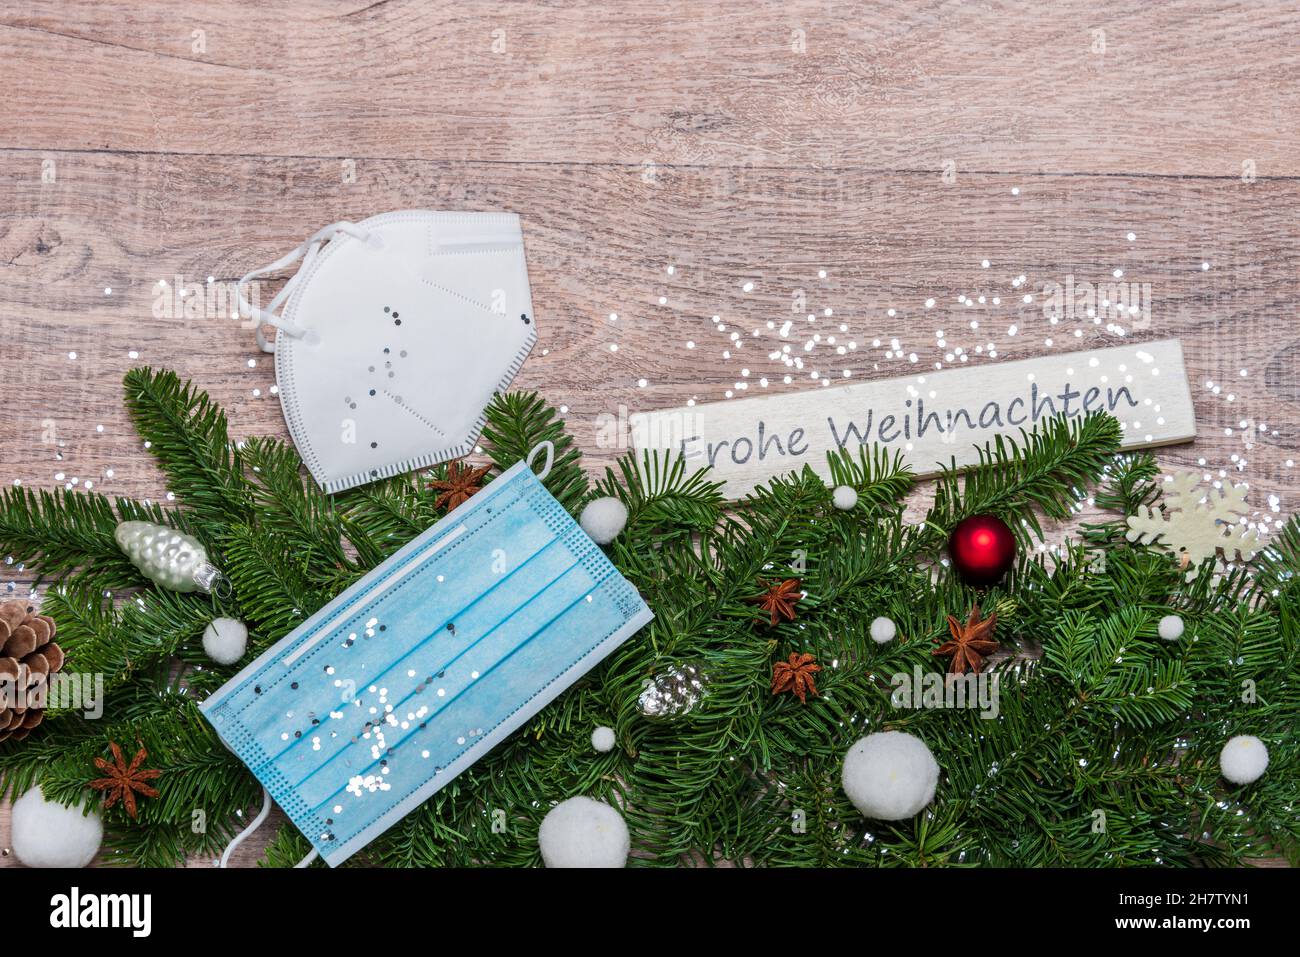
{"type": "Point", "coordinates": [167, 557]}
{"type": "Point", "coordinates": [676, 691]}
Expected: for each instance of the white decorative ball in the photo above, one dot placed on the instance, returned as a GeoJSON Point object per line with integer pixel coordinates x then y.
{"type": "Point", "coordinates": [603, 519]}
{"type": "Point", "coordinates": [225, 640]}
{"type": "Point", "coordinates": [1243, 759]}
{"type": "Point", "coordinates": [1170, 628]}
{"type": "Point", "coordinates": [883, 629]}
{"type": "Point", "coordinates": [890, 775]}
{"type": "Point", "coordinates": [602, 739]}
{"type": "Point", "coordinates": [844, 497]}
{"type": "Point", "coordinates": [581, 832]}
{"type": "Point", "coordinates": [47, 834]}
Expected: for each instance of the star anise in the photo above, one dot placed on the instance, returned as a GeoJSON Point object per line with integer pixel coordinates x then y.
{"type": "Point", "coordinates": [970, 642]}
{"type": "Point", "coordinates": [779, 598]}
{"type": "Point", "coordinates": [796, 676]}
{"type": "Point", "coordinates": [124, 780]}
{"type": "Point", "coordinates": [461, 482]}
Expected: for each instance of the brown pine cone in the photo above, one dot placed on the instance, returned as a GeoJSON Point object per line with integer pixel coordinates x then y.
{"type": "Point", "coordinates": [28, 656]}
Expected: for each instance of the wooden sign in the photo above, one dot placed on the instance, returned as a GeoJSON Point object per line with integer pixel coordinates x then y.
{"type": "Point", "coordinates": [931, 417]}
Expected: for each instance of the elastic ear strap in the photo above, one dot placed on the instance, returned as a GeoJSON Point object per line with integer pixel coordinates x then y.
{"type": "Point", "coordinates": [253, 826]}
{"type": "Point", "coordinates": [308, 247]}
{"type": "Point", "coordinates": [549, 448]}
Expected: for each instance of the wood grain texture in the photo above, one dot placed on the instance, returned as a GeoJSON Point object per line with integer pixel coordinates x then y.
{"type": "Point", "coordinates": [1186, 87]}
{"type": "Point", "coordinates": [634, 139]}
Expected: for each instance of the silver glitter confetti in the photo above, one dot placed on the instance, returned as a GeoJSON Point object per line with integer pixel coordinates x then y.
{"type": "Point", "coordinates": [674, 692]}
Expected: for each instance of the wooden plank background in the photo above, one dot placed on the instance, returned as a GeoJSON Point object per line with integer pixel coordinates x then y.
{"type": "Point", "coordinates": [672, 163]}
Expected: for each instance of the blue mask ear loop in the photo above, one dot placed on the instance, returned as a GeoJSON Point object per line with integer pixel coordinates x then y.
{"type": "Point", "coordinates": [253, 826]}
{"type": "Point", "coordinates": [549, 448]}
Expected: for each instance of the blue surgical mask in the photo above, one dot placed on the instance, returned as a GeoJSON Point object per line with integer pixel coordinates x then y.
{"type": "Point", "coordinates": [420, 668]}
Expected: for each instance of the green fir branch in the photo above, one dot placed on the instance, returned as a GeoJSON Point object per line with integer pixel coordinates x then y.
{"type": "Point", "coordinates": [187, 433]}
{"type": "Point", "coordinates": [1097, 715]}
{"type": "Point", "coordinates": [1044, 472]}
{"type": "Point", "coordinates": [295, 509]}
{"type": "Point", "coordinates": [881, 480]}
{"type": "Point", "coordinates": [660, 494]}
{"type": "Point", "coordinates": [516, 423]}
{"type": "Point", "coordinates": [271, 583]}
{"type": "Point", "coordinates": [68, 535]}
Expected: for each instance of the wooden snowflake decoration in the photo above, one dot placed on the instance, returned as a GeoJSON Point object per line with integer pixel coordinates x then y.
{"type": "Point", "coordinates": [1195, 524]}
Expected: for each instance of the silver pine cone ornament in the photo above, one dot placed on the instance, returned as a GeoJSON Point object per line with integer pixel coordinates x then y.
{"type": "Point", "coordinates": [168, 557]}
{"type": "Point", "coordinates": [675, 691]}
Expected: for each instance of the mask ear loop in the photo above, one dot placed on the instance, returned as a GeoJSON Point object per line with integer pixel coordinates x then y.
{"type": "Point", "coordinates": [308, 248]}
{"type": "Point", "coordinates": [549, 447]}
{"type": "Point", "coordinates": [253, 826]}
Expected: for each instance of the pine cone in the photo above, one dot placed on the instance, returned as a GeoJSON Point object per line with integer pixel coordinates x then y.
{"type": "Point", "coordinates": [28, 656]}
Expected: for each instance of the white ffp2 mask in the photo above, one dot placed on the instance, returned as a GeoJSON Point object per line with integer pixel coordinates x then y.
{"type": "Point", "coordinates": [395, 333]}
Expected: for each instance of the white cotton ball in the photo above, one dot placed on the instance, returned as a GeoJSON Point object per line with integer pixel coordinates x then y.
{"type": "Point", "coordinates": [883, 629]}
{"type": "Point", "coordinates": [890, 775]}
{"type": "Point", "coordinates": [844, 497]}
{"type": "Point", "coordinates": [602, 739]}
{"type": "Point", "coordinates": [1170, 628]}
{"type": "Point", "coordinates": [1243, 759]}
{"type": "Point", "coordinates": [603, 519]}
{"type": "Point", "coordinates": [581, 832]}
{"type": "Point", "coordinates": [225, 640]}
{"type": "Point", "coordinates": [47, 834]}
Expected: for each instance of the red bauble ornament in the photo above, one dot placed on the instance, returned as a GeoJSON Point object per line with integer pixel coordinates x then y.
{"type": "Point", "coordinates": [982, 550]}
